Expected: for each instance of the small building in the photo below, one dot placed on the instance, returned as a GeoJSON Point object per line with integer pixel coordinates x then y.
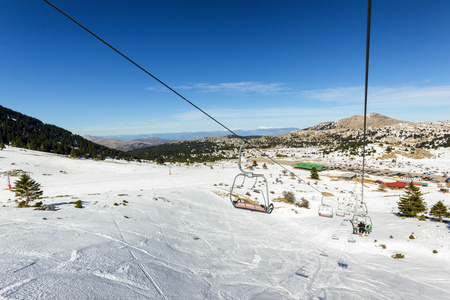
{"type": "Point", "coordinates": [307, 166]}
{"type": "Point", "coordinates": [394, 185]}
{"type": "Point", "coordinates": [348, 176]}
{"type": "Point", "coordinates": [415, 182]}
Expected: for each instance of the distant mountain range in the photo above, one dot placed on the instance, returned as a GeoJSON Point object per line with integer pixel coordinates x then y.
{"type": "Point", "coordinates": [184, 136]}
{"type": "Point", "coordinates": [128, 145]}
{"type": "Point", "coordinates": [134, 142]}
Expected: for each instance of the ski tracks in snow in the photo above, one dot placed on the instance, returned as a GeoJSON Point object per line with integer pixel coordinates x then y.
{"type": "Point", "coordinates": [4, 291]}
{"type": "Point", "coordinates": [141, 266]}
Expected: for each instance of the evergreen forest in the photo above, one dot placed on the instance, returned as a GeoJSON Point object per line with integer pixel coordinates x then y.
{"type": "Point", "coordinates": [22, 131]}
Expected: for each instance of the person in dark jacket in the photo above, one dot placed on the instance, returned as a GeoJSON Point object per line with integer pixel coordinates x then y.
{"type": "Point", "coordinates": [361, 226]}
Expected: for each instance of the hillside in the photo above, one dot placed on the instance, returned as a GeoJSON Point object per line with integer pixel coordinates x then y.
{"type": "Point", "coordinates": [128, 145]}
{"type": "Point", "coordinates": [344, 136]}
{"type": "Point", "coordinates": [374, 120]}
{"type": "Point", "coordinates": [19, 130]}
{"type": "Point", "coordinates": [145, 234]}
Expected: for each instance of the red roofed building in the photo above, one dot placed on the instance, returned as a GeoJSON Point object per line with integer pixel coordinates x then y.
{"type": "Point", "coordinates": [394, 185]}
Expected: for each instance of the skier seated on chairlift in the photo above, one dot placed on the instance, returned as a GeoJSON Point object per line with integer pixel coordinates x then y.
{"type": "Point", "coordinates": [367, 229]}
{"type": "Point", "coordinates": [361, 227]}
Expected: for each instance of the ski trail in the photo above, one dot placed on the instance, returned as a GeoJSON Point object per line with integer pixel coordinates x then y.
{"type": "Point", "coordinates": [157, 260]}
{"type": "Point", "coordinates": [150, 277]}
{"type": "Point", "coordinates": [13, 286]}
{"type": "Point", "coordinates": [128, 284]}
{"type": "Point", "coordinates": [146, 273]}
{"type": "Point", "coordinates": [323, 262]}
{"type": "Point", "coordinates": [157, 224]}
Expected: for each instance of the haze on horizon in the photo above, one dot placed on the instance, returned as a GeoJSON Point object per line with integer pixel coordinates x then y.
{"type": "Point", "coordinates": [275, 64]}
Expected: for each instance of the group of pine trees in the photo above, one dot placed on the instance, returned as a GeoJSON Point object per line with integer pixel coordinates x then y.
{"type": "Point", "coordinates": [22, 131]}
{"type": "Point", "coordinates": [187, 151]}
{"type": "Point", "coordinates": [412, 203]}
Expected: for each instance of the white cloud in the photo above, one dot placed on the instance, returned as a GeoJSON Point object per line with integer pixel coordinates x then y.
{"type": "Point", "coordinates": [232, 88]}
{"type": "Point", "coordinates": [159, 88]}
{"type": "Point", "coordinates": [410, 96]}
{"type": "Point", "coordinates": [252, 113]}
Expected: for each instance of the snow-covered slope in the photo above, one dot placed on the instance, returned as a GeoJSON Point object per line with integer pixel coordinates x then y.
{"type": "Point", "coordinates": [178, 237]}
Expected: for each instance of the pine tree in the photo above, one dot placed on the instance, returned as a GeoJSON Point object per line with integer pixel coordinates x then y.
{"type": "Point", "coordinates": [74, 153]}
{"type": "Point", "coordinates": [314, 173]}
{"type": "Point", "coordinates": [439, 210]}
{"type": "Point", "coordinates": [27, 189]}
{"type": "Point", "coordinates": [411, 203]}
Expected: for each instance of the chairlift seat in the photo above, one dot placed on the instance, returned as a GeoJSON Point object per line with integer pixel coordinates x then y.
{"type": "Point", "coordinates": [325, 211]}
{"type": "Point", "coordinates": [250, 206]}
{"type": "Point", "coordinates": [326, 214]}
{"type": "Point", "coordinates": [340, 213]}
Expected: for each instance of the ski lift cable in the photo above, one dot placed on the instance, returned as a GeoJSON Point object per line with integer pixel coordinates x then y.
{"type": "Point", "coordinates": [172, 90]}
{"type": "Point", "coordinates": [141, 68]}
{"type": "Point", "coordinates": [178, 94]}
{"type": "Point", "coordinates": [366, 85]}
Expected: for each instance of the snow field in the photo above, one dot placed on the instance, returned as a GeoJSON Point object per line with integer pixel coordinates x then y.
{"type": "Point", "coordinates": [178, 237]}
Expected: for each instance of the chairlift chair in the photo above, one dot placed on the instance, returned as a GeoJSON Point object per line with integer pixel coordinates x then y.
{"type": "Point", "coordinates": [325, 210]}
{"type": "Point", "coordinates": [349, 207]}
{"type": "Point", "coordinates": [360, 209]}
{"type": "Point", "coordinates": [348, 210]}
{"type": "Point", "coordinates": [238, 202]}
{"type": "Point", "coordinates": [364, 219]}
{"type": "Point", "coordinates": [341, 209]}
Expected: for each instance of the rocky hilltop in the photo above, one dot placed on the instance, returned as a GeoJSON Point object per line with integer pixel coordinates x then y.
{"type": "Point", "coordinates": [374, 120]}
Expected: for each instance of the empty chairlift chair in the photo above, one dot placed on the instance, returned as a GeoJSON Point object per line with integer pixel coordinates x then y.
{"type": "Point", "coordinates": [240, 201]}
{"type": "Point", "coordinates": [340, 211]}
{"type": "Point", "coordinates": [325, 210]}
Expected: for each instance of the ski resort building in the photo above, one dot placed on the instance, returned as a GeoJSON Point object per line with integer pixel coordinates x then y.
{"type": "Point", "coordinates": [307, 166]}
{"type": "Point", "coordinates": [348, 176]}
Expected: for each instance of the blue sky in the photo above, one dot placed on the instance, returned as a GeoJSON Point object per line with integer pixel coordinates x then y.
{"type": "Point", "coordinates": [249, 64]}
